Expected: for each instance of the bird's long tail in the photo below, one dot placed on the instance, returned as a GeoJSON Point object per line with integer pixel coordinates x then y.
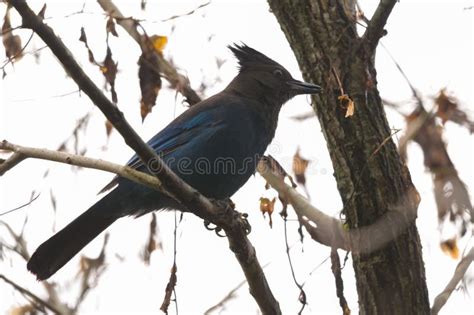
{"type": "Point", "coordinates": [53, 254]}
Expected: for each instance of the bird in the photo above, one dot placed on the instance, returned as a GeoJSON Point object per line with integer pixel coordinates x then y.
{"type": "Point", "coordinates": [214, 146]}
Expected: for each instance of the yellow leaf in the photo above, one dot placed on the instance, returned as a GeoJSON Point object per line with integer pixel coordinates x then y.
{"type": "Point", "coordinates": [450, 247]}
{"type": "Point", "coordinates": [159, 42]}
{"type": "Point", "coordinates": [347, 104]}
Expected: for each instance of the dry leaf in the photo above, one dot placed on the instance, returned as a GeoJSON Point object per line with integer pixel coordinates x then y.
{"type": "Point", "coordinates": [109, 70]}
{"type": "Point", "coordinates": [83, 38]}
{"type": "Point", "coordinates": [150, 82]}
{"type": "Point", "coordinates": [266, 207]}
{"type": "Point", "coordinates": [108, 128]}
{"type": "Point", "coordinates": [448, 109]}
{"type": "Point", "coordinates": [346, 102]}
{"type": "Point", "coordinates": [450, 247]}
{"type": "Point", "coordinates": [300, 165]}
{"type": "Point", "coordinates": [153, 243]}
{"type": "Point", "coordinates": [23, 310]}
{"type": "Point", "coordinates": [12, 43]}
{"type": "Point", "coordinates": [159, 43]}
{"type": "Point", "coordinates": [110, 26]}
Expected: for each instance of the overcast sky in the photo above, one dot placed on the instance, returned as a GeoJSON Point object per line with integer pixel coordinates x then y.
{"type": "Point", "coordinates": [431, 40]}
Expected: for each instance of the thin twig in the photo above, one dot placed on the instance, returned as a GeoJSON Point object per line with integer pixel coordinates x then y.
{"type": "Point", "coordinates": [459, 273]}
{"type": "Point", "coordinates": [302, 297]}
{"type": "Point", "coordinates": [31, 295]}
{"type": "Point", "coordinates": [20, 207]}
{"type": "Point", "coordinates": [187, 13]}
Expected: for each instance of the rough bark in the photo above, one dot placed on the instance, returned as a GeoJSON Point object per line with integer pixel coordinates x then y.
{"type": "Point", "coordinates": [371, 178]}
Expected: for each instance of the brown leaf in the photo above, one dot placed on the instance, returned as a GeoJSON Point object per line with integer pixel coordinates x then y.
{"type": "Point", "coordinates": [451, 195]}
{"type": "Point", "coordinates": [83, 38]}
{"type": "Point", "coordinates": [448, 109]}
{"type": "Point", "coordinates": [150, 82]}
{"type": "Point", "coordinates": [300, 165]}
{"type": "Point", "coordinates": [169, 289]}
{"type": "Point", "coordinates": [346, 103]}
{"type": "Point", "coordinates": [108, 128]}
{"type": "Point", "coordinates": [266, 207]}
{"type": "Point", "coordinates": [446, 106]}
{"type": "Point", "coordinates": [12, 43]}
{"type": "Point", "coordinates": [153, 243]}
{"type": "Point", "coordinates": [109, 70]}
{"type": "Point", "coordinates": [23, 310]}
{"type": "Point", "coordinates": [110, 26]}
{"type": "Point", "coordinates": [450, 247]}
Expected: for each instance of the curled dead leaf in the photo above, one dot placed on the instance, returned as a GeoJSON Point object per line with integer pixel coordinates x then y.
{"type": "Point", "coordinates": [158, 43]}
{"type": "Point", "coordinates": [266, 207]}
{"type": "Point", "coordinates": [348, 104]}
{"type": "Point", "coordinates": [11, 42]}
{"type": "Point", "coordinates": [450, 247]}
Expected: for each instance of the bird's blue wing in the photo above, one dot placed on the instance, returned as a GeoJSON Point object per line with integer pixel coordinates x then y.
{"type": "Point", "coordinates": [177, 134]}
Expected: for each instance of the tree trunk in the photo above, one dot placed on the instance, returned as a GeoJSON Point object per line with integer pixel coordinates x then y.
{"type": "Point", "coordinates": [370, 175]}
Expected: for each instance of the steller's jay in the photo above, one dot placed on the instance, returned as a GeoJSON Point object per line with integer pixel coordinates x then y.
{"type": "Point", "coordinates": [214, 146]}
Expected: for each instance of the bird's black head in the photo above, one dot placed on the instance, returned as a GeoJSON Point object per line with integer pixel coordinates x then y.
{"type": "Point", "coordinates": [265, 79]}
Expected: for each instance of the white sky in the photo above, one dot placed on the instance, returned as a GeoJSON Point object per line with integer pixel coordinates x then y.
{"type": "Point", "coordinates": [431, 40]}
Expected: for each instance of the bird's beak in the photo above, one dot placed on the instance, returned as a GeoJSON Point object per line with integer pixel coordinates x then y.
{"type": "Point", "coordinates": [299, 87]}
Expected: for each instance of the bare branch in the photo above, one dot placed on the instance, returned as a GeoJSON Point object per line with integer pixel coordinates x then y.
{"type": "Point", "coordinates": [177, 81]}
{"type": "Point", "coordinates": [11, 162]}
{"type": "Point", "coordinates": [31, 295]}
{"type": "Point", "coordinates": [232, 222]}
{"type": "Point", "coordinates": [375, 28]}
{"type": "Point", "coordinates": [82, 161]}
{"type": "Point", "coordinates": [331, 232]}
{"type": "Point", "coordinates": [461, 269]}
{"type": "Point", "coordinates": [187, 13]}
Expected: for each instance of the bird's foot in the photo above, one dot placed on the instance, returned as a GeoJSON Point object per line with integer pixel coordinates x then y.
{"type": "Point", "coordinates": [228, 209]}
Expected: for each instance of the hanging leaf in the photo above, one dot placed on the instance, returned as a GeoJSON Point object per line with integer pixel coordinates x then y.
{"type": "Point", "coordinates": [153, 242]}
{"type": "Point", "coordinates": [150, 82]}
{"type": "Point", "coordinates": [12, 43]}
{"type": "Point", "coordinates": [448, 109]}
{"type": "Point", "coordinates": [347, 104]}
{"type": "Point", "coordinates": [83, 38]}
{"type": "Point", "coordinates": [450, 247]}
{"type": "Point", "coordinates": [108, 128]}
{"type": "Point", "coordinates": [109, 70]}
{"type": "Point", "coordinates": [266, 207]}
{"type": "Point", "coordinates": [110, 26]}
{"type": "Point", "coordinates": [159, 43]}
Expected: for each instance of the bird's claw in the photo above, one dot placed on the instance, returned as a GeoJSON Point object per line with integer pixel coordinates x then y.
{"type": "Point", "coordinates": [218, 230]}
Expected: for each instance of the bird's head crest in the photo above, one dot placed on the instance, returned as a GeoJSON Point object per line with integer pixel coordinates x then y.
{"type": "Point", "coordinates": [249, 57]}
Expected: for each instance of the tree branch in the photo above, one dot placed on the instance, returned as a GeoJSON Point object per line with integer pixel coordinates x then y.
{"type": "Point", "coordinates": [224, 217]}
{"type": "Point", "coordinates": [375, 28]}
{"type": "Point", "coordinates": [82, 161]}
{"type": "Point", "coordinates": [330, 231]}
{"type": "Point", "coordinates": [177, 81]}
{"type": "Point", "coordinates": [461, 269]}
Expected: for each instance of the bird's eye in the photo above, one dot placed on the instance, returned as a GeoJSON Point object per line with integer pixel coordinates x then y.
{"type": "Point", "coordinates": [278, 73]}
